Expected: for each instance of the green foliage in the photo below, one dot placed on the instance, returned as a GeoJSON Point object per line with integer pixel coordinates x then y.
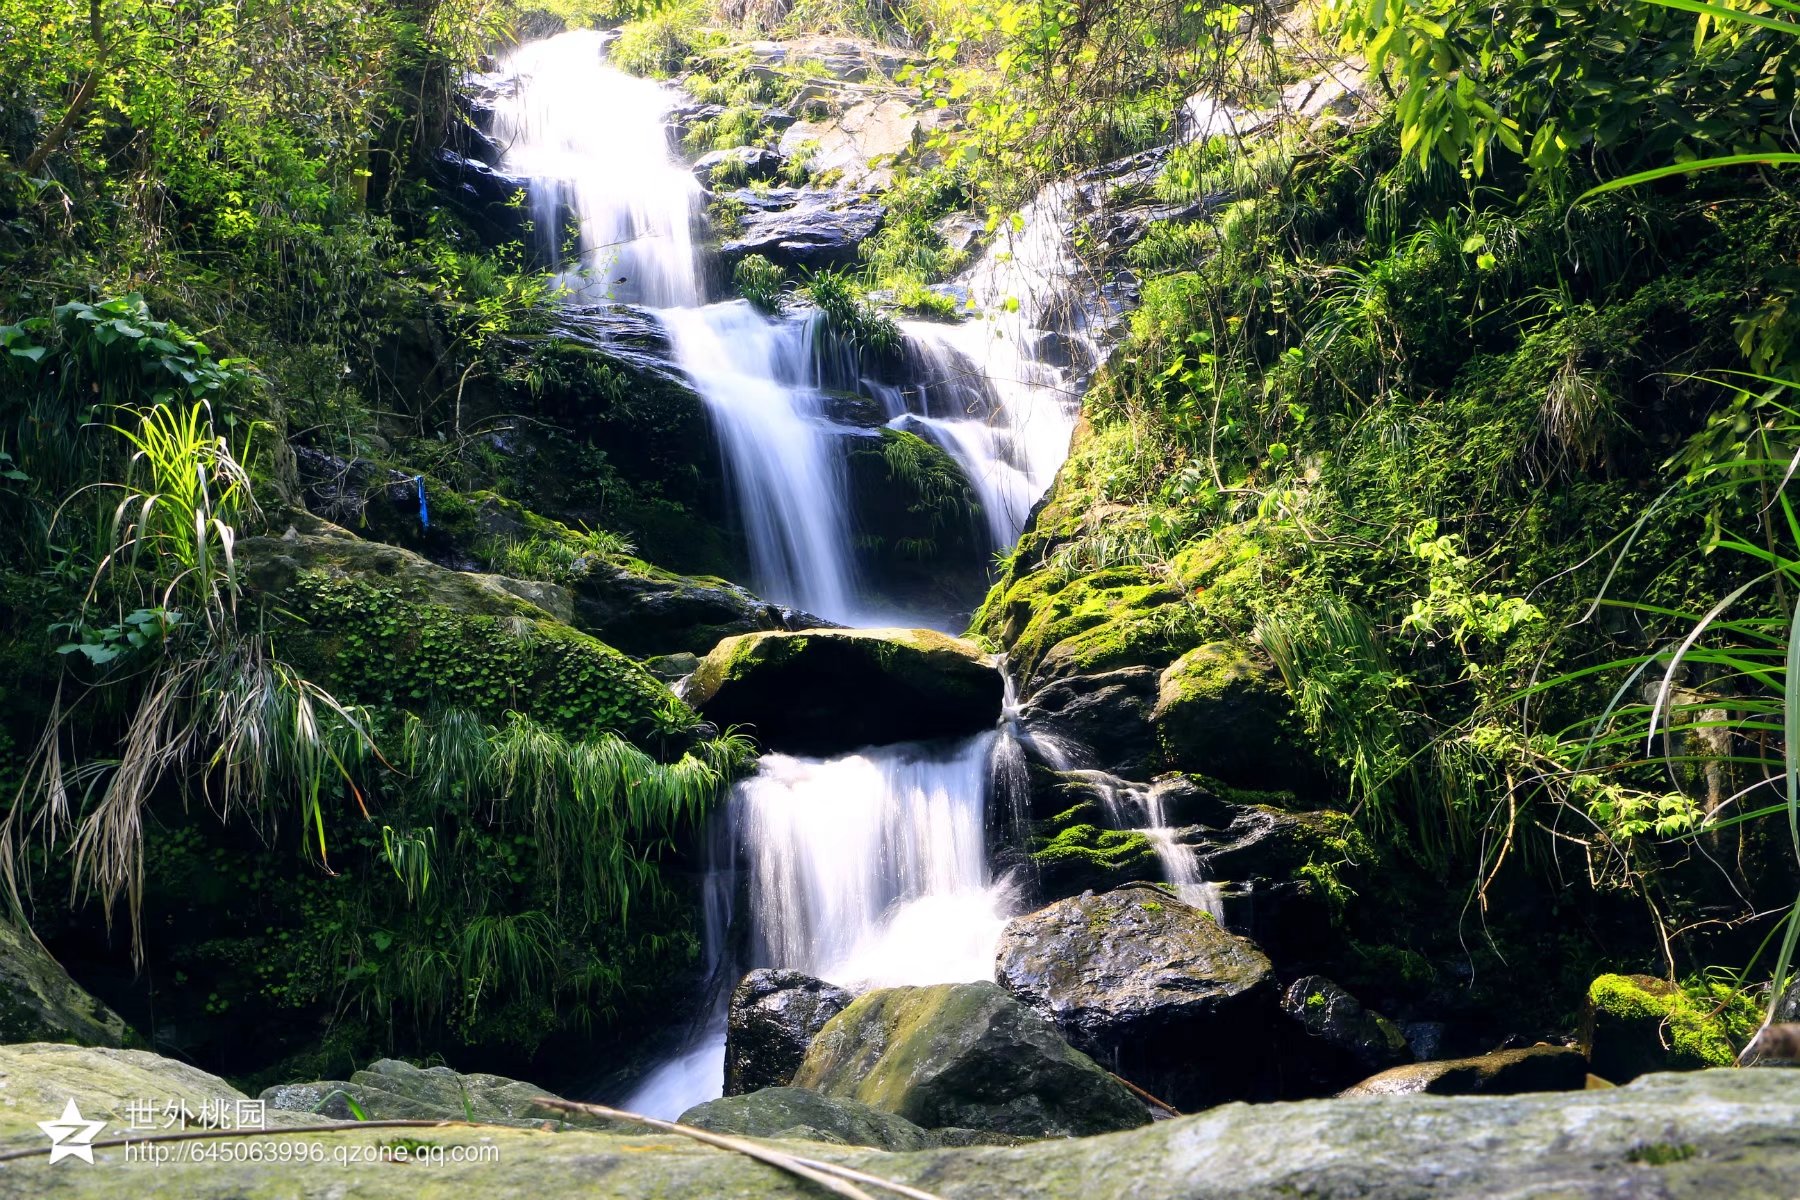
{"type": "Point", "coordinates": [659, 45]}
{"type": "Point", "coordinates": [760, 281]}
{"type": "Point", "coordinates": [848, 318]}
{"type": "Point", "coordinates": [564, 560]}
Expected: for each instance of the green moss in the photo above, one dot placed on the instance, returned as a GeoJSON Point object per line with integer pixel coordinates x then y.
{"type": "Point", "coordinates": [1703, 1023]}
{"type": "Point", "coordinates": [375, 643]}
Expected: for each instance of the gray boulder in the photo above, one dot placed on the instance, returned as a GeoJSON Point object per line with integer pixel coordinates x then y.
{"type": "Point", "coordinates": [773, 1018]}
{"type": "Point", "coordinates": [737, 165]}
{"type": "Point", "coordinates": [1150, 986]}
{"type": "Point", "coordinates": [40, 1003]}
{"type": "Point", "coordinates": [393, 1090]}
{"type": "Point", "coordinates": [1502, 1073]}
{"type": "Point", "coordinates": [965, 1055]}
{"type": "Point", "coordinates": [821, 230]}
{"type": "Point", "coordinates": [789, 1112]}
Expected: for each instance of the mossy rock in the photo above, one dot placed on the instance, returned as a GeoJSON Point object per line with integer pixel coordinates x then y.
{"type": "Point", "coordinates": [965, 1055]}
{"type": "Point", "coordinates": [829, 690]}
{"type": "Point", "coordinates": [807, 1115]}
{"type": "Point", "coordinates": [1054, 626]}
{"type": "Point", "coordinates": [1073, 853]}
{"type": "Point", "coordinates": [1639, 1023]}
{"type": "Point", "coordinates": [920, 539]}
{"type": "Point", "coordinates": [392, 1090]}
{"type": "Point", "coordinates": [40, 1003]}
{"type": "Point", "coordinates": [1222, 711]}
{"type": "Point", "coordinates": [381, 625]}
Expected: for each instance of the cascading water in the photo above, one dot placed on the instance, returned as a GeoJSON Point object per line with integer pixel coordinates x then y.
{"type": "Point", "coordinates": [592, 139]}
{"type": "Point", "coordinates": [759, 377]}
{"type": "Point", "coordinates": [872, 868]}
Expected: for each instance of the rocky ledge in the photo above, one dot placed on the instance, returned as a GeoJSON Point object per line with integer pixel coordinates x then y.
{"type": "Point", "coordinates": [1716, 1134]}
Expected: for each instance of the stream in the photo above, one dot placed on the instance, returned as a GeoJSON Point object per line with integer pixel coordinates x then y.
{"type": "Point", "coordinates": [872, 868]}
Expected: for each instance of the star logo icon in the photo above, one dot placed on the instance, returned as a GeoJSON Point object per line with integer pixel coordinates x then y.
{"type": "Point", "coordinates": [71, 1135]}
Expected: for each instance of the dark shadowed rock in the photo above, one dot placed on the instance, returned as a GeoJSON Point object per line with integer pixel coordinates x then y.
{"type": "Point", "coordinates": [828, 690]}
{"type": "Point", "coordinates": [1108, 714]}
{"type": "Point", "coordinates": [774, 1015]}
{"type": "Point", "coordinates": [812, 235]}
{"type": "Point", "coordinates": [790, 1112]}
{"type": "Point", "coordinates": [965, 1055]}
{"type": "Point", "coordinates": [1342, 1039]}
{"type": "Point", "coordinates": [1504, 1072]}
{"type": "Point", "coordinates": [643, 610]}
{"type": "Point", "coordinates": [1150, 986]}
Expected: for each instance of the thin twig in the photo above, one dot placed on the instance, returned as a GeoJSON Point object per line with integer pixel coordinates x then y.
{"type": "Point", "coordinates": [830, 1176]}
{"type": "Point", "coordinates": [1146, 1097]}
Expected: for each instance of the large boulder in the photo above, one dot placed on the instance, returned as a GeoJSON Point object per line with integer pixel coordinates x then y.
{"type": "Point", "coordinates": [829, 690]}
{"type": "Point", "coordinates": [1502, 1073]}
{"type": "Point", "coordinates": [40, 1003]}
{"type": "Point", "coordinates": [1150, 986]}
{"type": "Point", "coordinates": [1709, 1135]}
{"type": "Point", "coordinates": [1639, 1023]}
{"type": "Point", "coordinates": [965, 1055]}
{"type": "Point", "coordinates": [858, 143]}
{"type": "Point", "coordinates": [391, 1090]}
{"type": "Point", "coordinates": [1342, 1041]}
{"type": "Point", "coordinates": [790, 1112]}
{"type": "Point", "coordinates": [773, 1018]}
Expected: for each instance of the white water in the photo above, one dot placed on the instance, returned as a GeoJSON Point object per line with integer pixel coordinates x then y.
{"type": "Point", "coordinates": [592, 138]}
{"type": "Point", "coordinates": [869, 869]}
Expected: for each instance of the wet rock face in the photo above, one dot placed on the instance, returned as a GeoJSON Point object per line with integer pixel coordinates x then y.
{"type": "Point", "coordinates": [1107, 713]}
{"type": "Point", "coordinates": [1502, 1073]}
{"type": "Point", "coordinates": [965, 1055]}
{"type": "Point", "coordinates": [774, 1016]}
{"type": "Point", "coordinates": [1342, 1039]}
{"type": "Point", "coordinates": [1152, 987]}
{"type": "Point", "coordinates": [826, 691]}
{"type": "Point", "coordinates": [820, 230]}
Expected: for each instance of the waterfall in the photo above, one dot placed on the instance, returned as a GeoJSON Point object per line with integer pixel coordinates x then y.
{"type": "Point", "coordinates": [812, 830]}
{"type": "Point", "coordinates": [759, 378]}
{"type": "Point", "coordinates": [871, 868]}
{"type": "Point", "coordinates": [592, 139]}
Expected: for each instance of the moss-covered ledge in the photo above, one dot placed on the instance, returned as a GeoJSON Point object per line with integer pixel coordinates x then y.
{"type": "Point", "coordinates": [381, 625]}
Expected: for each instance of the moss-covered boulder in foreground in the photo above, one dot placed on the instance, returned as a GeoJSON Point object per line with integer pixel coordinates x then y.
{"type": "Point", "coordinates": [1639, 1023]}
{"type": "Point", "coordinates": [791, 1112]}
{"type": "Point", "coordinates": [966, 1055]}
{"type": "Point", "coordinates": [825, 691]}
{"type": "Point", "coordinates": [391, 1090]}
{"type": "Point", "coordinates": [1712, 1135]}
